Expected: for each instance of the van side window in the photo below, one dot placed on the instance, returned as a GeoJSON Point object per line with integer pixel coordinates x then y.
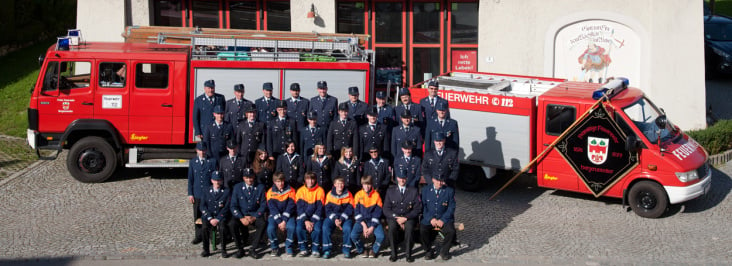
{"type": "Point", "coordinates": [112, 75]}
{"type": "Point", "coordinates": [73, 75]}
{"type": "Point", "coordinates": [50, 79]}
{"type": "Point", "coordinates": [559, 118]}
{"type": "Point", "coordinates": [151, 76]}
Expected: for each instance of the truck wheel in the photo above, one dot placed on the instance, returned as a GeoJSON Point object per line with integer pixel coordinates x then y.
{"type": "Point", "coordinates": [648, 199]}
{"type": "Point", "coordinates": [471, 178]}
{"type": "Point", "coordinates": [91, 160]}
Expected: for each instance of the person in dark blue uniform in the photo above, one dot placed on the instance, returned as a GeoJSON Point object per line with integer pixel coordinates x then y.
{"type": "Point", "coordinates": [356, 108]}
{"type": "Point", "coordinates": [430, 102]}
{"type": "Point", "coordinates": [200, 169]}
{"type": "Point", "coordinates": [387, 116]}
{"type": "Point", "coordinates": [297, 107]}
{"type": "Point", "coordinates": [321, 165]}
{"type": "Point", "coordinates": [280, 130]}
{"type": "Point", "coordinates": [441, 161]}
{"type": "Point", "coordinates": [411, 164]}
{"type": "Point", "coordinates": [443, 124]}
{"type": "Point", "coordinates": [292, 166]}
{"type": "Point", "coordinates": [438, 214]}
{"type": "Point", "coordinates": [250, 134]}
{"type": "Point", "coordinates": [373, 134]}
{"type": "Point", "coordinates": [348, 167]}
{"type": "Point", "coordinates": [203, 107]}
{"type": "Point", "coordinates": [405, 103]}
{"type": "Point", "coordinates": [402, 206]}
{"type": "Point", "coordinates": [217, 133]}
{"type": "Point", "coordinates": [247, 208]}
{"type": "Point", "coordinates": [267, 104]}
{"type": "Point", "coordinates": [311, 134]}
{"type": "Point", "coordinates": [342, 132]}
{"type": "Point", "coordinates": [379, 169]}
{"type": "Point", "coordinates": [324, 105]}
{"type": "Point", "coordinates": [406, 132]}
{"type": "Point", "coordinates": [231, 166]}
{"type": "Point", "coordinates": [235, 107]}
{"type": "Point", "coordinates": [215, 213]}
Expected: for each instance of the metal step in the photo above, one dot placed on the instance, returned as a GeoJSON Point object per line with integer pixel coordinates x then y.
{"type": "Point", "coordinates": [159, 163]}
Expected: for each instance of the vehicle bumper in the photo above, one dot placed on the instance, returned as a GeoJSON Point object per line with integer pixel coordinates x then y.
{"type": "Point", "coordinates": [681, 194]}
{"type": "Point", "coordinates": [31, 136]}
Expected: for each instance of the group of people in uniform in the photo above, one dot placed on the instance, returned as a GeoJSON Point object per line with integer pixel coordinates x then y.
{"type": "Point", "coordinates": [306, 167]}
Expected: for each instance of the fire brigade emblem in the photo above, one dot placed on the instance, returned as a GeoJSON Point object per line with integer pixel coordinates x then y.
{"type": "Point", "coordinates": [597, 149]}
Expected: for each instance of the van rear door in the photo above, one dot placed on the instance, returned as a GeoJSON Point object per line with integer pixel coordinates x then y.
{"type": "Point", "coordinates": [151, 103]}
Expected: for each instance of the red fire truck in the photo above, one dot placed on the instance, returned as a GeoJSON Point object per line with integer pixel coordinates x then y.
{"type": "Point", "coordinates": [601, 139]}
{"type": "Point", "coordinates": [114, 104]}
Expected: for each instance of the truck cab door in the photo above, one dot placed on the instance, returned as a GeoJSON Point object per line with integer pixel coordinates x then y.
{"type": "Point", "coordinates": [553, 170]}
{"type": "Point", "coordinates": [66, 94]}
{"type": "Point", "coordinates": [151, 103]}
{"type": "Point", "coordinates": [112, 94]}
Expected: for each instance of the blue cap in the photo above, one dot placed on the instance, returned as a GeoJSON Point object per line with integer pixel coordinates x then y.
{"type": "Point", "coordinates": [312, 115]}
{"type": "Point", "coordinates": [343, 107]}
{"type": "Point", "coordinates": [440, 177]}
{"type": "Point", "coordinates": [231, 144]}
{"type": "Point", "coordinates": [402, 173]}
{"type": "Point", "coordinates": [406, 114]}
{"type": "Point", "coordinates": [404, 91]}
{"type": "Point", "coordinates": [322, 84]}
{"type": "Point", "coordinates": [210, 83]}
{"type": "Point", "coordinates": [295, 87]}
{"type": "Point", "coordinates": [267, 86]}
{"type": "Point", "coordinates": [215, 176]}
{"type": "Point", "coordinates": [282, 104]}
{"type": "Point", "coordinates": [380, 95]}
{"type": "Point", "coordinates": [439, 136]}
{"type": "Point", "coordinates": [433, 83]}
{"type": "Point", "coordinates": [248, 172]}
{"type": "Point", "coordinates": [239, 87]}
{"type": "Point", "coordinates": [441, 106]}
{"type": "Point", "coordinates": [372, 111]}
{"type": "Point", "coordinates": [407, 144]}
{"type": "Point", "coordinates": [218, 110]}
{"type": "Point", "coordinates": [201, 146]}
{"type": "Point", "coordinates": [353, 91]}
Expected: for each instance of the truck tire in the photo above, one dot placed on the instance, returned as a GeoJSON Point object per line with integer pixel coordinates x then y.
{"type": "Point", "coordinates": [91, 160]}
{"type": "Point", "coordinates": [471, 178]}
{"type": "Point", "coordinates": [648, 199]}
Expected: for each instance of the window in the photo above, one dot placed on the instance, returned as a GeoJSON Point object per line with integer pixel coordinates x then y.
{"type": "Point", "coordinates": [152, 76]}
{"type": "Point", "coordinates": [559, 118]}
{"type": "Point", "coordinates": [388, 22]}
{"type": "Point", "coordinates": [278, 15]}
{"type": "Point", "coordinates": [426, 60]}
{"type": "Point", "coordinates": [167, 13]}
{"type": "Point", "coordinates": [74, 75]}
{"type": "Point", "coordinates": [350, 17]}
{"type": "Point", "coordinates": [464, 23]}
{"type": "Point", "coordinates": [426, 23]}
{"type": "Point", "coordinates": [50, 79]}
{"type": "Point", "coordinates": [243, 15]}
{"type": "Point", "coordinates": [205, 14]}
{"type": "Point", "coordinates": [112, 75]}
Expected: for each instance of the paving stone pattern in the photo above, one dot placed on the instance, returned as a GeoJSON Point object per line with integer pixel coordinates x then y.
{"type": "Point", "coordinates": [143, 214]}
{"type": "Point", "coordinates": [15, 155]}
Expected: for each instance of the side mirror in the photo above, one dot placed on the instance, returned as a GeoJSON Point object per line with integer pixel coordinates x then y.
{"type": "Point", "coordinates": [661, 121]}
{"type": "Point", "coordinates": [632, 144]}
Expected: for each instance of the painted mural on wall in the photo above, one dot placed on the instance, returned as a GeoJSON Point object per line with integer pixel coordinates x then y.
{"type": "Point", "coordinates": [594, 50]}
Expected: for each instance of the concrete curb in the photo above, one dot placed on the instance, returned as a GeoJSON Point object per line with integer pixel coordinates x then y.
{"type": "Point", "coordinates": [720, 158]}
{"type": "Point", "coordinates": [19, 173]}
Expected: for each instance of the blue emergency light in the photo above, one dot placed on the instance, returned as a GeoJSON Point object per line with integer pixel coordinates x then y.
{"type": "Point", "coordinates": [62, 44]}
{"type": "Point", "coordinates": [611, 88]}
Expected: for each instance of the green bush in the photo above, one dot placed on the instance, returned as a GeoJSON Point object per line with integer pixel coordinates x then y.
{"type": "Point", "coordinates": [715, 139]}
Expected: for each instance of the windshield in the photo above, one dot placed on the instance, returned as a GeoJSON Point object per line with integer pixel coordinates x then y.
{"type": "Point", "coordinates": [643, 114]}
{"type": "Point", "coordinates": [718, 31]}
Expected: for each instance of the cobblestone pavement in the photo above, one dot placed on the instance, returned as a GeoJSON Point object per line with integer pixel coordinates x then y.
{"type": "Point", "coordinates": [15, 155]}
{"type": "Point", "coordinates": [144, 216]}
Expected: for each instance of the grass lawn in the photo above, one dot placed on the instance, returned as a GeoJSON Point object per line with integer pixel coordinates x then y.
{"type": "Point", "coordinates": [19, 72]}
{"type": "Point", "coordinates": [723, 7]}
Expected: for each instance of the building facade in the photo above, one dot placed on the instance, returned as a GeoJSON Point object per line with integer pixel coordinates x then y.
{"type": "Point", "coordinates": [657, 44]}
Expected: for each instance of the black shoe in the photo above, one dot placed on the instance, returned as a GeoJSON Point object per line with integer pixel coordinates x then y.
{"type": "Point", "coordinates": [205, 253]}
{"type": "Point", "coordinates": [224, 254]}
{"type": "Point", "coordinates": [196, 241]}
{"type": "Point", "coordinates": [410, 259]}
{"type": "Point", "coordinates": [445, 257]}
{"type": "Point", "coordinates": [240, 254]}
{"type": "Point", "coordinates": [374, 254]}
{"type": "Point", "coordinates": [393, 258]}
{"type": "Point", "coordinates": [429, 255]}
{"type": "Point", "coordinates": [253, 254]}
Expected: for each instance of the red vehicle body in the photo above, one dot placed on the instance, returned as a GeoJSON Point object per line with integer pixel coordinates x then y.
{"type": "Point", "coordinates": [509, 121]}
{"type": "Point", "coordinates": [130, 103]}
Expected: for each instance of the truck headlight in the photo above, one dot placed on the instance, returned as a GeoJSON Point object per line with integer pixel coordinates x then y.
{"type": "Point", "coordinates": [687, 176]}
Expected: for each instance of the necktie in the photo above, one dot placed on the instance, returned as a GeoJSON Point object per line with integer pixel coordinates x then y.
{"type": "Point", "coordinates": [251, 124]}
{"type": "Point", "coordinates": [343, 122]}
{"type": "Point", "coordinates": [354, 105]}
{"type": "Point", "coordinates": [407, 158]}
{"type": "Point", "coordinates": [372, 127]}
{"type": "Point", "coordinates": [233, 159]}
{"type": "Point", "coordinates": [210, 100]}
{"type": "Point", "coordinates": [432, 102]}
{"type": "Point", "coordinates": [312, 130]}
{"type": "Point", "coordinates": [442, 123]}
{"type": "Point", "coordinates": [439, 153]}
{"type": "Point", "coordinates": [401, 190]}
{"type": "Point", "coordinates": [238, 103]}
